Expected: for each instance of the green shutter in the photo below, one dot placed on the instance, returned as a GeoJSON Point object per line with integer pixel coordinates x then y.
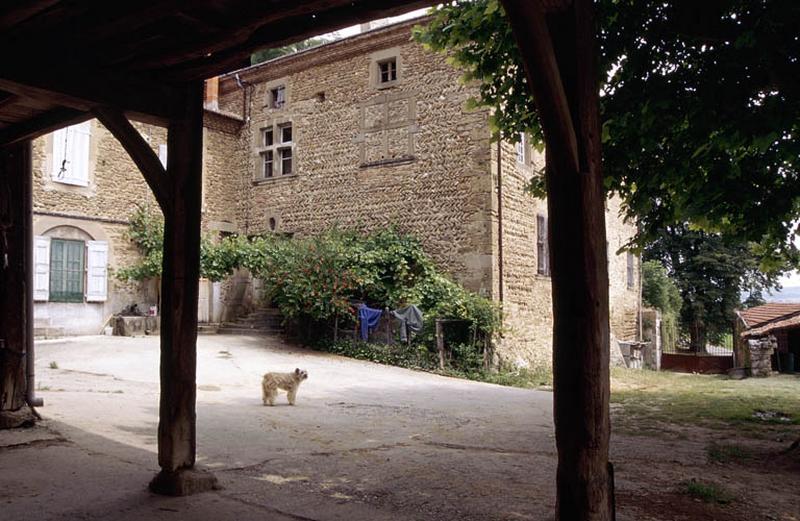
{"type": "Point", "coordinates": [66, 270]}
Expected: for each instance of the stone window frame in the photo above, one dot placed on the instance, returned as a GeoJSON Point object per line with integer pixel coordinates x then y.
{"type": "Point", "coordinates": [408, 122]}
{"type": "Point", "coordinates": [270, 86]}
{"type": "Point", "coordinates": [380, 57]}
{"type": "Point", "coordinates": [275, 149]}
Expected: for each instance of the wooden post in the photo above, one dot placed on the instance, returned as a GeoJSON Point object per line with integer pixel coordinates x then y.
{"type": "Point", "coordinates": [15, 289]}
{"type": "Point", "coordinates": [440, 342]}
{"type": "Point", "coordinates": [179, 294]}
{"type": "Point", "coordinates": [559, 56]}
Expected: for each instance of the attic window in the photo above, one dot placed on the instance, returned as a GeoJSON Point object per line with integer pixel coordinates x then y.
{"type": "Point", "coordinates": [277, 97]}
{"type": "Point", "coordinates": [387, 71]}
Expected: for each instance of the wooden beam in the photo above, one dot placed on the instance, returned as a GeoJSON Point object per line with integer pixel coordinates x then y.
{"type": "Point", "coordinates": [146, 160]}
{"type": "Point", "coordinates": [77, 87]}
{"type": "Point", "coordinates": [188, 64]}
{"type": "Point", "coordinates": [546, 84]}
{"type": "Point", "coordinates": [242, 28]}
{"type": "Point", "coordinates": [179, 294]}
{"type": "Point", "coordinates": [41, 124]}
{"type": "Point", "coordinates": [15, 194]}
{"type": "Point", "coordinates": [559, 58]}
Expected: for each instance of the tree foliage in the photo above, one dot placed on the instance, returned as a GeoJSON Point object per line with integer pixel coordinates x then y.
{"type": "Point", "coordinates": [710, 271]}
{"type": "Point", "coordinates": [658, 290]}
{"type": "Point", "coordinates": [276, 52]}
{"type": "Point", "coordinates": [699, 104]}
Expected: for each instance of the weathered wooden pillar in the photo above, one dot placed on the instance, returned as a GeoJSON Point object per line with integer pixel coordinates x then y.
{"type": "Point", "coordinates": [15, 229]}
{"type": "Point", "coordinates": [559, 54]}
{"type": "Point", "coordinates": [179, 293]}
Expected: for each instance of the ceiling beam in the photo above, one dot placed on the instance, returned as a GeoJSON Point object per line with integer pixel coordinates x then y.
{"type": "Point", "coordinates": [42, 124]}
{"type": "Point", "coordinates": [276, 34]}
{"type": "Point", "coordinates": [79, 90]}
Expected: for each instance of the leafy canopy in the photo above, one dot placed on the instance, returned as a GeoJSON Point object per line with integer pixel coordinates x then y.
{"type": "Point", "coordinates": [700, 107]}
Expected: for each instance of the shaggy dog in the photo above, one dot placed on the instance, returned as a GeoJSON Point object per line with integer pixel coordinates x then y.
{"type": "Point", "coordinates": [288, 382]}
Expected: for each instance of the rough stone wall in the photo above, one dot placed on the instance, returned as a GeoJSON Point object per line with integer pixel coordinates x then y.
{"type": "Point", "coordinates": [222, 163]}
{"type": "Point", "coordinates": [99, 211]}
{"type": "Point", "coordinates": [109, 169]}
{"type": "Point", "coordinates": [442, 195]}
{"type": "Point", "coordinates": [624, 301]}
{"type": "Point", "coordinates": [527, 300]}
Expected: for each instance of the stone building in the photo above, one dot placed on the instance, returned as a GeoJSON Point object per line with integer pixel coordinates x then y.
{"type": "Point", "coordinates": [361, 133]}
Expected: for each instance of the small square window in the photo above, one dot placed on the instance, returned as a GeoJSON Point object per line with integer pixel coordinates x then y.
{"type": "Point", "coordinates": [286, 133]}
{"type": "Point", "coordinates": [268, 168]}
{"type": "Point", "coordinates": [268, 137]}
{"type": "Point", "coordinates": [387, 70]}
{"type": "Point", "coordinates": [285, 155]}
{"type": "Point", "coordinates": [278, 97]}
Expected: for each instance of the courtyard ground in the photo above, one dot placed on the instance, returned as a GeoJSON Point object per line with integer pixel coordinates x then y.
{"type": "Point", "coordinates": [367, 442]}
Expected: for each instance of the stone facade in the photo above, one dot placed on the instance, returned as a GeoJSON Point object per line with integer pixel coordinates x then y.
{"type": "Point", "coordinates": [379, 135]}
{"type": "Point", "coordinates": [100, 212]}
{"type": "Point", "coordinates": [408, 154]}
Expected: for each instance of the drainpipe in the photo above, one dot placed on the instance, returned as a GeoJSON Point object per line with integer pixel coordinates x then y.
{"type": "Point", "coordinates": [499, 222]}
{"type": "Point", "coordinates": [30, 358]}
{"type": "Point", "coordinates": [246, 117]}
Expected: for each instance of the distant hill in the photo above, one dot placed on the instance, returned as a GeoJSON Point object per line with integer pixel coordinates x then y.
{"type": "Point", "coordinates": [787, 294]}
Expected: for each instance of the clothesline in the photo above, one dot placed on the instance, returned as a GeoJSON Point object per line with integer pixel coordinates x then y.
{"type": "Point", "coordinates": [410, 318]}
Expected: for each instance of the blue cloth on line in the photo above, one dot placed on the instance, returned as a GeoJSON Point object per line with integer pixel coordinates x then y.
{"type": "Point", "coordinates": [368, 317]}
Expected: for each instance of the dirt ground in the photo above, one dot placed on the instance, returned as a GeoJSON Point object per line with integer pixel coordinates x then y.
{"type": "Point", "coordinates": [364, 442]}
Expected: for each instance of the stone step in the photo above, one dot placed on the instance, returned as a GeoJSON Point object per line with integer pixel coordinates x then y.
{"type": "Point", "coordinates": [231, 330]}
{"type": "Point", "coordinates": [207, 329]}
{"type": "Point", "coordinates": [42, 333]}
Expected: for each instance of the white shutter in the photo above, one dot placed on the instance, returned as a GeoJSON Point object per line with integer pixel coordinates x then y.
{"type": "Point", "coordinates": [97, 271]}
{"type": "Point", "coordinates": [41, 268]}
{"type": "Point", "coordinates": [162, 155]}
{"type": "Point", "coordinates": [71, 147]}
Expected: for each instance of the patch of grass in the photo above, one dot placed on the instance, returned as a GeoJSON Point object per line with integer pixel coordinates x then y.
{"type": "Point", "coordinates": [706, 492]}
{"type": "Point", "coordinates": [53, 365]}
{"type": "Point", "coordinates": [728, 453]}
{"type": "Point", "coordinates": [712, 401]}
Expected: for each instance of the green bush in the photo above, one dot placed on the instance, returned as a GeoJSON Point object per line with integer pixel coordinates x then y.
{"type": "Point", "coordinates": [315, 280]}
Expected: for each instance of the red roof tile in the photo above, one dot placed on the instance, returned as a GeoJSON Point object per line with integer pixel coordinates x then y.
{"type": "Point", "coordinates": [760, 315]}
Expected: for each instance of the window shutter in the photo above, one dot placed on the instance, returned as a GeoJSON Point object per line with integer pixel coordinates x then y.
{"type": "Point", "coordinates": [542, 248]}
{"type": "Point", "coordinates": [97, 268]}
{"type": "Point", "coordinates": [162, 155]}
{"type": "Point", "coordinates": [71, 148]}
{"type": "Point", "coordinates": [41, 268]}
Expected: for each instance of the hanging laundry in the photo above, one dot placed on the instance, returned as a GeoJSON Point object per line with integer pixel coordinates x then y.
{"type": "Point", "coordinates": [410, 318]}
{"type": "Point", "coordinates": [368, 318]}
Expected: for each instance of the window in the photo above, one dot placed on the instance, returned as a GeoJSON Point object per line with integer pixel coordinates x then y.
{"type": "Point", "coordinates": [71, 149]}
{"type": "Point", "coordinates": [277, 97]}
{"type": "Point", "coordinates": [542, 249]}
{"type": "Point", "coordinates": [59, 274]}
{"type": "Point", "coordinates": [277, 155]}
{"type": "Point", "coordinates": [631, 272]}
{"type": "Point", "coordinates": [387, 71]}
{"type": "Point", "coordinates": [268, 167]}
{"type": "Point", "coordinates": [66, 270]}
{"type": "Point", "coordinates": [522, 148]}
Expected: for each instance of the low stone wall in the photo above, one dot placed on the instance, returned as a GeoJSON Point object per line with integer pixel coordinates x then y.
{"type": "Point", "coordinates": [761, 350]}
{"type": "Point", "coordinates": [136, 326]}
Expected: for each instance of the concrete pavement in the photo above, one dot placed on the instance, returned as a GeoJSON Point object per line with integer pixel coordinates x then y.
{"type": "Point", "coordinates": [364, 441]}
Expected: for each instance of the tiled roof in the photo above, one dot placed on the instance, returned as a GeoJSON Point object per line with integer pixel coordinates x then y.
{"type": "Point", "coordinates": [761, 315]}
